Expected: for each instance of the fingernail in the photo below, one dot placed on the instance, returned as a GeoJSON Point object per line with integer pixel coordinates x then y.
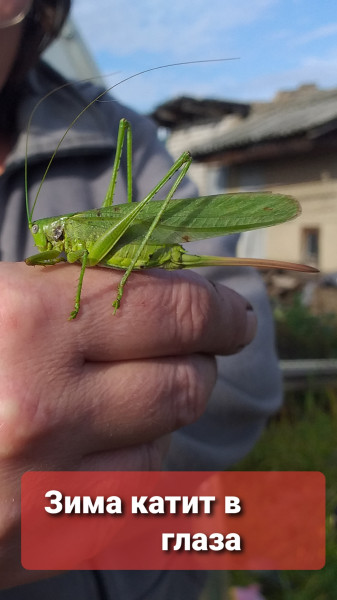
{"type": "Point", "coordinates": [251, 325]}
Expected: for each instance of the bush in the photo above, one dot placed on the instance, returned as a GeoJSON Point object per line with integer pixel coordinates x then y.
{"type": "Point", "coordinates": [304, 444]}
{"type": "Point", "coordinates": [299, 334]}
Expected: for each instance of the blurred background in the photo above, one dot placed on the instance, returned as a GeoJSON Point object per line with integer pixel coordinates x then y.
{"type": "Point", "coordinates": [265, 120]}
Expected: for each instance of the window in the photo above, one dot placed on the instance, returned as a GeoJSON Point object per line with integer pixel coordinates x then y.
{"type": "Point", "coordinates": [310, 245]}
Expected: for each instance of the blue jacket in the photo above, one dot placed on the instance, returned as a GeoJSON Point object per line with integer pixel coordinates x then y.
{"type": "Point", "coordinates": [248, 388]}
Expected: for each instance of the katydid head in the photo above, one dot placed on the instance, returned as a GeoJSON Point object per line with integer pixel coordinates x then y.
{"type": "Point", "coordinates": [48, 234]}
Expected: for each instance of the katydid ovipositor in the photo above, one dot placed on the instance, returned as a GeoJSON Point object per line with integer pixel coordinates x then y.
{"type": "Point", "coordinates": [148, 234]}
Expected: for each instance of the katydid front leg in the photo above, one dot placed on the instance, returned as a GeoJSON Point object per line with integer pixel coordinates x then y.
{"type": "Point", "coordinates": [123, 129]}
{"type": "Point", "coordinates": [49, 257]}
{"type": "Point", "coordinates": [74, 312]}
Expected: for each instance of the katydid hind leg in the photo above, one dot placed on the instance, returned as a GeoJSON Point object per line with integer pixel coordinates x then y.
{"type": "Point", "coordinates": [184, 162]}
{"type": "Point", "coordinates": [109, 239]}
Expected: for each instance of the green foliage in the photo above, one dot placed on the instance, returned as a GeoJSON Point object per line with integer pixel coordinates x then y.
{"type": "Point", "coordinates": [306, 442]}
{"type": "Point", "coordinates": [300, 334]}
{"type": "Point", "coordinates": [301, 438]}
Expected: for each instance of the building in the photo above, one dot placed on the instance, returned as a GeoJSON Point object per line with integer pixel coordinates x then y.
{"type": "Point", "coordinates": [288, 145]}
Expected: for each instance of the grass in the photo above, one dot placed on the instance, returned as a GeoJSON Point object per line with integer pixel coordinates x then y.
{"type": "Point", "coordinates": [302, 438]}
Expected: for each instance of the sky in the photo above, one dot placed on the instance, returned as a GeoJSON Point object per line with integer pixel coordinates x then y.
{"type": "Point", "coordinates": [277, 45]}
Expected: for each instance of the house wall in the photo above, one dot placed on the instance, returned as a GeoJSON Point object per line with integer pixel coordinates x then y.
{"type": "Point", "coordinates": [312, 180]}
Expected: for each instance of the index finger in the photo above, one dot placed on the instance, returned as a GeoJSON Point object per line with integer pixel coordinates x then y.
{"type": "Point", "coordinates": [161, 314]}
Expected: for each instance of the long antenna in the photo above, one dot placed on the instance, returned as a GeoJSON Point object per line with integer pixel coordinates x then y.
{"type": "Point", "coordinates": [178, 64]}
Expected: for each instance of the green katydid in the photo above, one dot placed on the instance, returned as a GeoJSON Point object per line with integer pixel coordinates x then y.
{"type": "Point", "coordinates": [141, 235]}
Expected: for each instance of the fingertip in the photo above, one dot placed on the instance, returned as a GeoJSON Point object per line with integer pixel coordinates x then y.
{"type": "Point", "coordinates": [238, 319]}
{"type": "Point", "coordinates": [251, 327]}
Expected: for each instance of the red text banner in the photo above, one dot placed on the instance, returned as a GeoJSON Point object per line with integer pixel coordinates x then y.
{"type": "Point", "coordinates": [173, 520]}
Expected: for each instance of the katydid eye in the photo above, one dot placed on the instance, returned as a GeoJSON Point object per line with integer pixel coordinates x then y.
{"type": "Point", "coordinates": [35, 228]}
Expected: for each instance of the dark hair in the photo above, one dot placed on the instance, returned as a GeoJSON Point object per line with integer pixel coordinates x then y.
{"type": "Point", "coordinates": [41, 26]}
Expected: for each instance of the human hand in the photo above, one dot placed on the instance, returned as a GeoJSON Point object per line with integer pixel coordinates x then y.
{"type": "Point", "coordinates": [101, 392]}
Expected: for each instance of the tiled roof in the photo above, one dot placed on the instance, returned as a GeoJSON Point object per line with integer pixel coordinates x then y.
{"type": "Point", "coordinates": [291, 113]}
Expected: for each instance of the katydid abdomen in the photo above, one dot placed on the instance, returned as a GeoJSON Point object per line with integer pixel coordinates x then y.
{"type": "Point", "coordinates": [172, 257]}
